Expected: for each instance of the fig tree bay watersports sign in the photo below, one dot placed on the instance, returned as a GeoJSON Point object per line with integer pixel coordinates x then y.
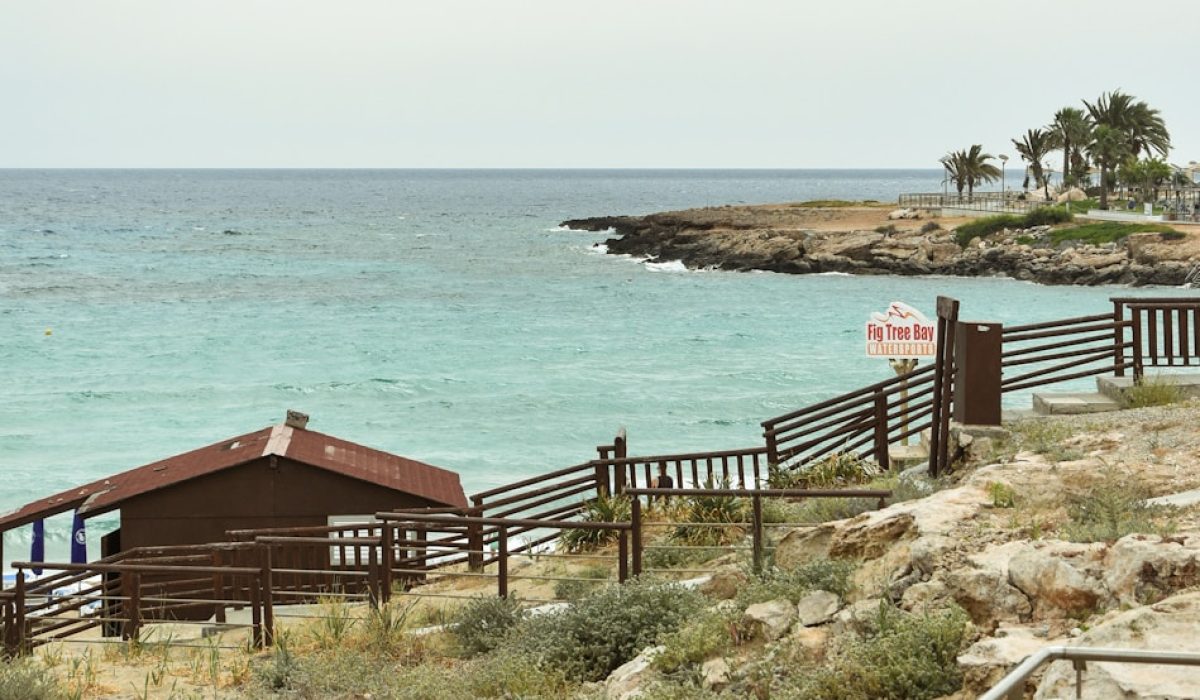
{"type": "Point", "coordinates": [901, 332]}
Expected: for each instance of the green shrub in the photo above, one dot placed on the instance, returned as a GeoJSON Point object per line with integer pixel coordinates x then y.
{"type": "Point", "coordinates": [23, 679]}
{"type": "Point", "coordinates": [1104, 232]}
{"type": "Point", "coordinates": [481, 625]}
{"type": "Point", "coordinates": [587, 581]}
{"type": "Point", "coordinates": [698, 639]}
{"type": "Point", "coordinates": [983, 227]}
{"type": "Point", "coordinates": [835, 470]}
{"type": "Point", "coordinates": [694, 511]}
{"type": "Point", "coordinates": [833, 575]}
{"type": "Point", "coordinates": [1152, 392]}
{"type": "Point", "coordinates": [593, 636]}
{"type": "Point", "coordinates": [1046, 216]}
{"type": "Point", "coordinates": [986, 226]}
{"type": "Point", "coordinates": [901, 656]}
{"type": "Point", "coordinates": [668, 557]}
{"type": "Point", "coordinates": [602, 509]}
{"type": "Point", "coordinates": [830, 204]}
{"type": "Point", "coordinates": [1003, 495]}
{"type": "Point", "coordinates": [1115, 506]}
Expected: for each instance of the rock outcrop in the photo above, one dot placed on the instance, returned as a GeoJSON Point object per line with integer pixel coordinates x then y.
{"type": "Point", "coordinates": [740, 238]}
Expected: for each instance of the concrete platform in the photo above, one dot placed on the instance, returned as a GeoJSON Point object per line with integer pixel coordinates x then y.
{"type": "Point", "coordinates": [1115, 387]}
{"type": "Point", "coordinates": [1073, 404]}
{"type": "Point", "coordinates": [905, 456]}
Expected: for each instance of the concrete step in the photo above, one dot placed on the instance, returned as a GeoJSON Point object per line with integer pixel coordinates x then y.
{"type": "Point", "coordinates": [905, 456]}
{"type": "Point", "coordinates": [1068, 404]}
{"type": "Point", "coordinates": [1115, 387]}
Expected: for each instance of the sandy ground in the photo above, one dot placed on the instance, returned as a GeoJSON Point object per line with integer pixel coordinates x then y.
{"type": "Point", "coordinates": [800, 217]}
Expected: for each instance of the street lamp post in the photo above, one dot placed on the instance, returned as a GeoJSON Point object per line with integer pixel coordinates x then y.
{"type": "Point", "coordinates": [1004, 180]}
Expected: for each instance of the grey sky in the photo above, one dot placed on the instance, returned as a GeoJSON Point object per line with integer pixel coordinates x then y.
{"type": "Point", "coordinates": [561, 83]}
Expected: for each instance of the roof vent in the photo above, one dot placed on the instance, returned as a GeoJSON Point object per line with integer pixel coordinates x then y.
{"type": "Point", "coordinates": [296, 419]}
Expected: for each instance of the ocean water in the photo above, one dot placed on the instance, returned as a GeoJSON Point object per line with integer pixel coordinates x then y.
{"type": "Point", "coordinates": [442, 315]}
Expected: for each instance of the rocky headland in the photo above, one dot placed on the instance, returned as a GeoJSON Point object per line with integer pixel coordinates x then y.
{"type": "Point", "coordinates": [874, 240]}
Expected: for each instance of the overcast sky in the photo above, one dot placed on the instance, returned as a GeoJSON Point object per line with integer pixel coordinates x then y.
{"type": "Point", "coordinates": [564, 83]}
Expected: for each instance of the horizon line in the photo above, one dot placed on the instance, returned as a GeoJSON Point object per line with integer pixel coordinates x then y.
{"type": "Point", "coordinates": [469, 168]}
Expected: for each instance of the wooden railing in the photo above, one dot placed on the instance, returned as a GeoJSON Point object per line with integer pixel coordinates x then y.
{"type": "Point", "coordinates": [1038, 354]}
{"type": "Point", "coordinates": [1166, 331]}
{"type": "Point", "coordinates": [744, 468]}
{"type": "Point", "coordinates": [863, 422]}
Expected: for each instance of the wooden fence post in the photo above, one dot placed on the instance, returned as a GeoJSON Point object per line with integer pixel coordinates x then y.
{"type": "Point", "coordinates": [502, 561]}
{"type": "Point", "coordinates": [20, 642]}
{"type": "Point", "coordinates": [622, 556]}
{"type": "Point", "coordinates": [133, 586]}
{"type": "Point", "coordinates": [881, 430]}
{"type": "Point", "coordinates": [268, 597]}
{"type": "Point", "coordinates": [373, 577]}
{"type": "Point", "coordinates": [389, 559]}
{"type": "Point", "coordinates": [475, 537]}
{"type": "Point", "coordinates": [1118, 338]}
{"type": "Point", "coordinates": [1138, 360]}
{"type": "Point", "coordinates": [255, 584]}
{"type": "Point", "coordinates": [635, 527]}
{"type": "Point", "coordinates": [757, 524]}
{"type": "Point", "coordinates": [218, 588]}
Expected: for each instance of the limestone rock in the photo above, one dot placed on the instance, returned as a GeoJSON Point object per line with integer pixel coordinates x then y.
{"type": "Point", "coordinates": [774, 618]}
{"type": "Point", "coordinates": [817, 608]}
{"type": "Point", "coordinates": [987, 596]}
{"type": "Point", "coordinates": [1143, 567]}
{"type": "Point", "coordinates": [1168, 625]}
{"type": "Point", "coordinates": [624, 682]}
{"type": "Point", "coordinates": [927, 595]}
{"type": "Point", "coordinates": [1072, 195]}
{"type": "Point", "coordinates": [1054, 585]}
{"type": "Point", "coordinates": [715, 673]}
{"type": "Point", "coordinates": [723, 584]}
{"type": "Point", "coordinates": [802, 546]}
{"type": "Point", "coordinates": [990, 659]}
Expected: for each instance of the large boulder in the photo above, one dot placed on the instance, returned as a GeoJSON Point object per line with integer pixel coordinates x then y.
{"type": "Point", "coordinates": [773, 618]}
{"type": "Point", "coordinates": [817, 608]}
{"type": "Point", "coordinates": [1169, 625]}
{"type": "Point", "coordinates": [1072, 195]}
{"type": "Point", "coordinates": [1055, 579]}
{"type": "Point", "coordinates": [1138, 568]}
{"type": "Point", "coordinates": [988, 597]}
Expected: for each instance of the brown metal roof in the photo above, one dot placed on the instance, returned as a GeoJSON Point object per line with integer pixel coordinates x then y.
{"type": "Point", "coordinates": [309, 447]}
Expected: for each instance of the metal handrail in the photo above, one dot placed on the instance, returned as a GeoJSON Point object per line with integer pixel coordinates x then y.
{"type": "Point", "coordinates": [1012, 686]}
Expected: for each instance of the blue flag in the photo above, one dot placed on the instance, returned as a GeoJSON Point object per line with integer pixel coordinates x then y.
{"type": "Point", "coordinates": [37, 548]}
{"type": "Point", "coordinates": [78, 541]}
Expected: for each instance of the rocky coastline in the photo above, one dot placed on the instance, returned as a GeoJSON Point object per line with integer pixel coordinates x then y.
{"type": "Point", "coordinates": [782, 238]}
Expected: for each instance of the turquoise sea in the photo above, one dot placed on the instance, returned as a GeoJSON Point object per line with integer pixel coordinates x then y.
{"type": "Point", "coordinates": [438, 314]}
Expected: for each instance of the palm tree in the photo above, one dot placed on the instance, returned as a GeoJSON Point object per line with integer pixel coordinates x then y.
{"type": "Point", "coordinates": [1072, 131]}
{"type": "Point", "coordinates": [950, 162]}
{"type": "Point", "coordinates": [1142, 127]}
{"type": "Point", "coordinates": [970, 168]}
{"type": "Point", "coordinates": [1033, 147]}
{"type": "Point", "coordinates": [1107, 148]}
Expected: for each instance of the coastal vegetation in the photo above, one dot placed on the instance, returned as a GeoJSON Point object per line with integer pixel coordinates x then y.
{"type": "Point", "coordinates": [986, 226]}
{"type": "Point", "coordinates": [1117, 134]}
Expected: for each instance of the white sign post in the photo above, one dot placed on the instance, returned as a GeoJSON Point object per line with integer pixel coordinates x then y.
{"type": "Point", "coordinates": [903, 335]}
